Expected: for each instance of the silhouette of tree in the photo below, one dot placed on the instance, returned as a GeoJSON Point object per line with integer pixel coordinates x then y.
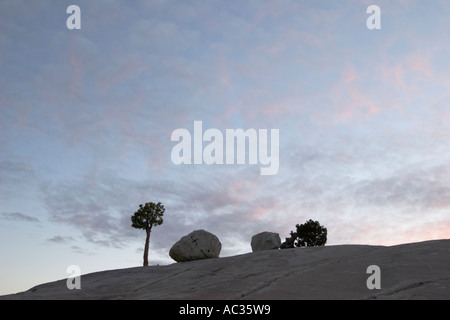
{"type": "Point", "coordinates": [309, 234]}
{"type": "Point", "coordinates": [146, 217]}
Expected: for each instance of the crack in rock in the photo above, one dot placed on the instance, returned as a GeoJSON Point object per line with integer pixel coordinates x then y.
{"type": "Point", "coordinates": [406, 287]}
{"type": "Point", "coordinates": [193, 240]}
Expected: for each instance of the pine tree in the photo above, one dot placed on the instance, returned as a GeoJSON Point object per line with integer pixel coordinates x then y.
{"type": "Point", "coordinates": [146, 217]}
{"type": "Point", "coordinates": [311, 234]}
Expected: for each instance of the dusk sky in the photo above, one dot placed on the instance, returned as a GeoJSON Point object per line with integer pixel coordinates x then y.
{"type": "Point", "coordinates": [86, 118]}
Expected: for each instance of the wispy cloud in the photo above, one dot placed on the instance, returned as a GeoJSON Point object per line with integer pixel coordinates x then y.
{"type": "Point", "coordinates": [17, 216]}
{"type": "Point", "coordinates": [60, 239]}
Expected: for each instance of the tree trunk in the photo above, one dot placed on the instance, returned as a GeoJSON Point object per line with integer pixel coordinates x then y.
{"type": "Point", "coordinates": [147, 242]}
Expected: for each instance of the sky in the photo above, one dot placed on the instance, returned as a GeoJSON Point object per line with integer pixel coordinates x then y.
{"type": "Point", "coordinates": [86, 118]}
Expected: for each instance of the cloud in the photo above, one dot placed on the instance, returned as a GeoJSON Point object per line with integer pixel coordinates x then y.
{"type": "Point", "coordinates": [60, 239]}
{"type": "Point", "coordinates": [417, 188]}
{"type": "Point", "coordinates": [17, 216]}
{"type": "Point", "coordinates": [92, 207]}
{"type": "Point", "coordinates": [82, 251]}
{"type": "Point", "coordinates": [351, 100]}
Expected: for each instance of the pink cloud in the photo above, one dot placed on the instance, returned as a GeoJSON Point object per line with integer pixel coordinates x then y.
{"type": "Point", "coordinates": [379, 233]}
{"type": "Point", "coordinates": [349, 75]}
{"type": "Point", "coordinates": [427, 231]}
{"type": "Point", "coordinates": [419, 63]}
{"type": "Point", "coordinates": [257, 213]}
{"type": "Point", "coordinates": [401, 83]}
{"type": "Point", "coordinates": [393, 75]}
{"type": "Point", "coordinates": [242, 190]}
{"type": "Point", "coordinates": [223, 66]}
{"type": "Point", "coordinates": [285, 106]}
{"type": "Point", "coordinates": [129, 69]}
{"type": "Point", "coordinates": [352, 102]}
{"type": "Point", "coordinates": [76, 69]}
{"type": "Point", "coordinates": [405, 74]}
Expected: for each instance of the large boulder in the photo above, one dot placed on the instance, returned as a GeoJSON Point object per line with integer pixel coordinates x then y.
{"type": "Point", "coordinates": [198, 244]}
{"type": "Point", "coordinates": [266, 241]}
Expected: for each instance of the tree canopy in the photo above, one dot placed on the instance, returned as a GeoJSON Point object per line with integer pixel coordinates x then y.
{"type": "Point", "coordinates": [309, 234]}
{"type": "Point", "coordinates": [148, 215]}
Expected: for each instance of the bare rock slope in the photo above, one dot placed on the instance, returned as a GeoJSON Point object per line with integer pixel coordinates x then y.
{"type": "Point", "coordinates": [409, 271]}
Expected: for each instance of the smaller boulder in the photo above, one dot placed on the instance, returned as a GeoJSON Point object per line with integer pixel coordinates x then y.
{"type": "Point", "coordinates": [266, 241]}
